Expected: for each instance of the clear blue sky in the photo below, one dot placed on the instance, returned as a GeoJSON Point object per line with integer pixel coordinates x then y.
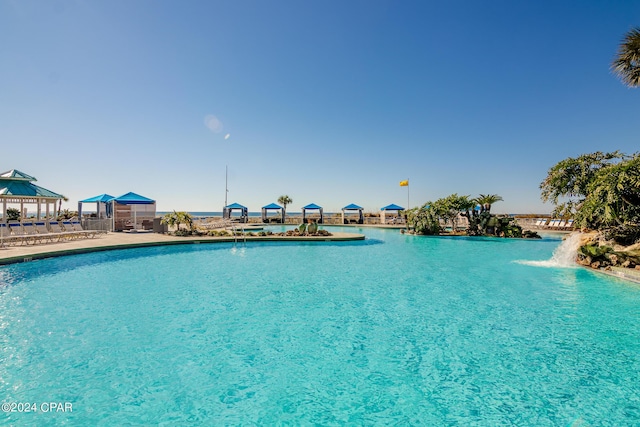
{"type": "Point", "coordinates": [331, 102]}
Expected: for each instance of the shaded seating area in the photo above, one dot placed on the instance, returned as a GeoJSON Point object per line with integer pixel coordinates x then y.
{"type": "Point", "coordinates": [227, 212]}
{"type": "Point", "coordinates": [389, 210]}
{"type": "Point", "coordinates": [278, 218]}
{"type": "Point", "coordinates": [312, 207]}
{"type": "Point", "coordinates": [18, 189]}
{"type": "Point", "coordinates": [131, 211]}
{"type": "Point", "coordinates": [101, 202]}
{"type": "Point", "coordinates": [348, 216]}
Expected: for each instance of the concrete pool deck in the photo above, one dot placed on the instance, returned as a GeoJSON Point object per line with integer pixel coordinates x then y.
{"type": "Point", "coordinates": [23, 253]}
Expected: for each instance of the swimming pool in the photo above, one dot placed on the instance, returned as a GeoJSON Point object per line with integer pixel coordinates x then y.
{"type": "Point", "coordinates": [391, 330]}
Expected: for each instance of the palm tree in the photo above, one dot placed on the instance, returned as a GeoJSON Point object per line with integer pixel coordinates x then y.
{"type": "Point", "coordinates": [185, 218]}
{"type": "Point", "coordinates": [174, 219]}
{"type": "Point", "coordinates": [627, 62]}
{"type": "Point", "coordinates": [171, 219]}
{"type": "Point", "coordinates": [285, 200]}
{"type": "Point", "coordinates": [486, 200]}
{"type": "Point", "coordinates": [66, 199]}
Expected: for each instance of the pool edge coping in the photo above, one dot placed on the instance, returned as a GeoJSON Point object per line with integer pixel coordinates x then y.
{"type": "Point", "coordinates": [187, 241]}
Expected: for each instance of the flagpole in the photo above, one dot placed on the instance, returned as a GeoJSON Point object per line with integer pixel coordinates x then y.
{"type": "Point", "coordinates": [408, 206]}
{"type": "Point", "coordinates": [226, 184]}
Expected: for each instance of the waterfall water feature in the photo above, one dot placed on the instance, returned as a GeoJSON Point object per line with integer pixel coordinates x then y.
{"type": "Point", "coordinates": [564, 256]}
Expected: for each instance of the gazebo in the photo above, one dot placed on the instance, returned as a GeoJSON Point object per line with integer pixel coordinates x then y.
{"type": "Point", "coordinates": [228, 210]}
{"type": "Point", "coordinates": [18, 188]}
{"type": "Point", "coordinates": [101, 205]}
{"type": "Point", "coordinates": [311, 207]}
{"type": "Point", "coordinates": [275, 218]}
{"type": "Point", "coordinates": [389, 208]}
{"type": "Point", "coordinates": [132, 209]}
{"type": "Point", "coordinates": [352, 208]}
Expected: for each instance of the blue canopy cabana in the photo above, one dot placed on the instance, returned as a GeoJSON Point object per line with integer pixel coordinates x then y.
{"type": "Point", "coordinates": [228, 210]}
{"type": "Point", "coordinates": [389, 208]}
{"type": "Point", "coordinates": [311, 207]}
{"type": "Point", "coordinates": [271, 207]}
{"type": "Point", "coordinates": [102, 211]}
{"type": "Point", "coordinates": [352, 208]}
{"type": "Point", "coordinates": [131, 209]}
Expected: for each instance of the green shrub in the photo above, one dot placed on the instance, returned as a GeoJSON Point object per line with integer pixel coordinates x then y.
{"type": "Point", "coordinates": [13, 214]}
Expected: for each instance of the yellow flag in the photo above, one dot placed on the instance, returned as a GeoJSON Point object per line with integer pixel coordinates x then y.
{"type": "Point", "coordinates": [404, 183]}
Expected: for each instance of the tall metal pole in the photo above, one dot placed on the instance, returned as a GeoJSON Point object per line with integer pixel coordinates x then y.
{"type": "Point", "coordinates": [226, 182]}
{"type": "Point", "coordinates": [408, 206]}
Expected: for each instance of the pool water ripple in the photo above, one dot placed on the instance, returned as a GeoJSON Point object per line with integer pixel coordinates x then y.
{"type": "Point", "coordinates": [396, 330]}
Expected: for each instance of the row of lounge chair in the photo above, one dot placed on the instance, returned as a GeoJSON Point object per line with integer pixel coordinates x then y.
{"type": "Point", "coordinates": [34, 232]}
{"type": "Point", "coordinates": [554, 224]}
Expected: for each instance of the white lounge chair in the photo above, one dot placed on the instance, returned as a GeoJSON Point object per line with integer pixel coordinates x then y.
{"type": "Point", "coordinates": [30, 230]}
{"type": "Point", "coordinates": [18, 232]}
{"type": "Point", "coordinates": [6, 237]}
{"type": "Point", "coordinates": [78, 227]}
{"type": "Point", "coordinates": [91, 233]}
{"type": "Point", "coordinates": [553, 223]}
{"type": "Point", "coordinates": [41, 228]}
{"type": "Point", "coordinates": [57, 228]}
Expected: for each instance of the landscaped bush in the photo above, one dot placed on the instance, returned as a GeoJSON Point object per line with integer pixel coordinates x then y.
{"type": "Point", "coordinates": [13, 214]}
{"type": "Point", "coordinates": [623, 234]}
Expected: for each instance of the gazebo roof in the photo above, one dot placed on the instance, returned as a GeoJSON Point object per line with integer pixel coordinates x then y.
{"type": "Point", "coordinates": [101, 198]}
{"type": "Point", "coordinates": [392, 207]}
{"type": "Point", "coordinates": [272, 206]}
{"type": "Point", "coordinates": [133, 199]}
{"type": "Point", "coordinates": [16, 184]}
{"type": "Point", "coordinates": [235, 206]}
{"type": "Point", "coordinates": [311, 206]}
{"type": "Point", "coordinates": [352, 207]}
{"type": "Point", "coordinates": [15, 174]}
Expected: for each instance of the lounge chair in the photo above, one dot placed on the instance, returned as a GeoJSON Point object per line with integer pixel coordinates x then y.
{"type": "Point", "coordinates": [78, 227]}
{"type": "Point", "coordinates": [42, 229]}
{"type": "Point", "coordinates": [31, 231]}
{"type": "Point", "coordinates": [6, 238]}
{"type": "Point", "coordinates": [553, 223]}
{"type": "Point", "coordinates": [68, 228]}
{"type": "Point", "coordinates": [57, 228]}
{"type": "Point", "coordinates": [19, 234]}
{"type": "Point", "coordinates": [569, 225]}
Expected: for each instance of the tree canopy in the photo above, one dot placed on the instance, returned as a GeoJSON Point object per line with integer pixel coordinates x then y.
{"type": "Point", "coordinates": [627, 61]}
{"type": "Point", "coordinates": [285, 200]}
{"type": "Point", "coordinates": [601, 189]}
{"type": "Point", "coordinates": [426, 219]}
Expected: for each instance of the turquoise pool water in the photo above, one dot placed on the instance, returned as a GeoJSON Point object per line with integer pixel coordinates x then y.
{"type": "Point", "coordinates": [394, 330]}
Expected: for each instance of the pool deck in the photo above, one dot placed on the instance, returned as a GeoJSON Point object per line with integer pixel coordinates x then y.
{"type": "Point", "coordinates": [109, 241]}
